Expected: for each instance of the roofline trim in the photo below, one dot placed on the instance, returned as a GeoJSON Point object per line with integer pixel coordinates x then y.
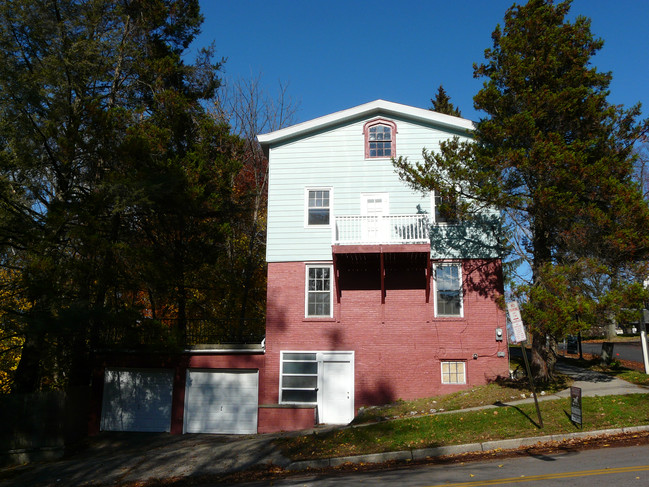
{"type": "Point", "coordinates": [376, 106]}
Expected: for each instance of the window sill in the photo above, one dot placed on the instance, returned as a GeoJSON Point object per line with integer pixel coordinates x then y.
{"type": "Point", "coordinates": [320, 319]}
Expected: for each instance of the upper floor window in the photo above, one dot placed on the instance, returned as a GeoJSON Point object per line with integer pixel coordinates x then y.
{"type": "Point", "coordinates": [380, 138]}
{"type": "Point", "coordinates": [318, 206]}
{"type": "Point", "coordinates": [448, 290]}
{"type": "Point", "coordinates": [445, 209]}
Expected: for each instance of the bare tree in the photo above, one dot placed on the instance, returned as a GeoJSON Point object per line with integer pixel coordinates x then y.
{"type": "Point", "coordinates": [251, 110]}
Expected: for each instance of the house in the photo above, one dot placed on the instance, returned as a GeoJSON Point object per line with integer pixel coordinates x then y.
{"type": "Point", "coordinates": [375, 293]}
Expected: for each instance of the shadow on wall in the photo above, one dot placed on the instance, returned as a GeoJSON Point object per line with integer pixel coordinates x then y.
{"type": "Point", "coordinates": [221, 402]}
{"type": "Point", "coordinates": [133, 400]}
{"type": "Point", "coordinates": [335, 336]}
{"type": "Point", "coordinates": [482, 238]}
{"type": "Point", "coordinates": [484, 278]}
{"type": "Point", "coordinates": [378, 394]}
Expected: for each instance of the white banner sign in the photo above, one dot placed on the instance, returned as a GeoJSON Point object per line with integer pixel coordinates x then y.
{"type": "Point", "coordinates": [517, 322]}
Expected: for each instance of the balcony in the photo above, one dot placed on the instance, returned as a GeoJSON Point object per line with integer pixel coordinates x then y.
{"type": "Point", "coordinates": [381, 230]}
{"type": "Point", "coordinates": [382, 252]}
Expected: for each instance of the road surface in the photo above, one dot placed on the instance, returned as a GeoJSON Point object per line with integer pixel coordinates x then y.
{"type": "Point", "coordinates": [622, 350]}
{"type": "Point", "coordinates": [603, 467]}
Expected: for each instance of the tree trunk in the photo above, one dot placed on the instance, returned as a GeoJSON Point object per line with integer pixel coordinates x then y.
{"type": "Point", "coordinates": [611, 326]}
{"type": "Point", "coordinates": [544, 357]}
{"type": "Point", "coordinates": [28, 372]}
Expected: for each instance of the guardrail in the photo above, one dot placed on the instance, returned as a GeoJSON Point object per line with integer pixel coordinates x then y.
{"type": "Point", "coordinates": [381, 229]}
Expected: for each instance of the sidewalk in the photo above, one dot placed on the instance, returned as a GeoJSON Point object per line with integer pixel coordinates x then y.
{"type": "Point", "coordinates": [132, 457]}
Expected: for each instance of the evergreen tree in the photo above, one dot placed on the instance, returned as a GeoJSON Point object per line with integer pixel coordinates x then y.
{"type": "Point", "coordinates": [442, 103]}
{"type": "Point", "coordinates": [552, 154]}
{"type": "Point", "coordinates": [113, 179]}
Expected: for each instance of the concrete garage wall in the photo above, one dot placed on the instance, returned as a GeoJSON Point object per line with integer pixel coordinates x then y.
{"type": "Point", "coordinates": [41, 426]}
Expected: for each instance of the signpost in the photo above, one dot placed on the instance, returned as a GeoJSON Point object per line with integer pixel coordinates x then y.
{"type": "Point", "coordinates": [517, 322]}
{"type": "Point", "coordinates": [575, 405]}
{"type": "Point", "coordinates": [520, 337]}
{"type": "Point", "coordinates": [643, 338]}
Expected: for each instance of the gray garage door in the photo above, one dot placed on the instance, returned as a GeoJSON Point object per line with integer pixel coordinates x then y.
{"type": "Point", "coordinates": [218, 401]}
{"type": "Point", "coordinates": [137, 400]}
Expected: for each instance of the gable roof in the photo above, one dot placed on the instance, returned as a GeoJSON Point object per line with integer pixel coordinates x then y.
{"type": "Point", "coordinates": [367, 109]}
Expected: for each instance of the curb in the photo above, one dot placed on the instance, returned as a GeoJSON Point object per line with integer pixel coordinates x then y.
{"type": "Point", "coordinates": [422, 454]}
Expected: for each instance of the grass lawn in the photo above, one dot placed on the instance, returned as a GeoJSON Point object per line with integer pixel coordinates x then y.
{"type": "Point", "coordinates": [501, 391]}
{"type": "Point", "coordinates": [470, 427]}
{"type": "Point", "coordinates": [419, 424]}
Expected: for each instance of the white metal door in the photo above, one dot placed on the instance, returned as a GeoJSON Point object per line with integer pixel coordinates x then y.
{"type": "Point", "coordinates": [137, 400]}
{"type": "Point", "coordinates": [224, 402]}
{"type": "Point", "coordinates": [373, 207]}
{"type": "Point", "coordinates": [337, 392]}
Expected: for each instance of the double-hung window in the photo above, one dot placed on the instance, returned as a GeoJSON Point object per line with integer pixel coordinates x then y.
{"type": "Point", "coordinates": [448, 290]}
{"type": "Point", "coordinates": [318, 206]}
{"type": "Point", "coordinates": [380, 138]}
{"type": "Point", "coordinates": [445, 209]}
{"type": "Point", "coordinates": [319, 291]}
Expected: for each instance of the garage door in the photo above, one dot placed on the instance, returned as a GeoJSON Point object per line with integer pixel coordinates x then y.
{"type": "Point", "coordinates": [137, 400]}
{"type": "Point", "coordinates": [222, 402]}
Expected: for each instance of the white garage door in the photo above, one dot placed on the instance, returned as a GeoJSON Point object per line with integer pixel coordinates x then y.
{"type": "Point", "coordinates": [137, 400]}
{"type": "Point", "coordinates": [222, 402]}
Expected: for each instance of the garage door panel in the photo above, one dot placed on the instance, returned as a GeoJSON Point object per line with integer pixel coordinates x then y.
{"type": "Point", "coordinates": [229, 420]}
{"type": "Point", "coordinates": [221, 402]}
{"type": "Point", "coordinates": [137, 400]}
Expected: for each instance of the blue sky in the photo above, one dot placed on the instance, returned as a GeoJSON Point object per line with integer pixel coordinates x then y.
{"type": "Point", "coordinates": [338, 54]}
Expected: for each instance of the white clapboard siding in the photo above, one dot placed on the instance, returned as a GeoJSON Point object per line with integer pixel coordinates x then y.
{"type": "Point", "coordinates": [335, 158]}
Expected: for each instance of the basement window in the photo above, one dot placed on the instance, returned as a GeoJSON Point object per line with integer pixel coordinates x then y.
{"type": "Point", "coordinates": [453, 373]}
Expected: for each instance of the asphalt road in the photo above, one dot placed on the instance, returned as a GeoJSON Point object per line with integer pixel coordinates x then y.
{"type": "Point", "coordinates": [623, 350]}
{"type": "Point", "coordinates": [601, 467]}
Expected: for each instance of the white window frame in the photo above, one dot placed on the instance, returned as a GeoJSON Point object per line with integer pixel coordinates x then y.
{"type": "Point", "coordinates": [433, 204]}
{"type": "Point", "coordinates": [435, 288]}
{"type": "Point", "coordinates": [306, 290]}
{"type": "Point", "coordinates": [449, 374]}
{"type": "Point", "coordinates": [321, 356]}
{"type": "Point", "coordinates": [306, 206]}
{"type": "Point", "coordinates": [282, 360]}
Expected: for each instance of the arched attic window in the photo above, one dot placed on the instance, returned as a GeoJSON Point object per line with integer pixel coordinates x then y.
{"type": "Point", "coordinates": [380, 138]}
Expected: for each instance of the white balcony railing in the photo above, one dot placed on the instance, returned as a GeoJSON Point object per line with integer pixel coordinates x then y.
{"type": "Point", "coordinates": [381, 229]}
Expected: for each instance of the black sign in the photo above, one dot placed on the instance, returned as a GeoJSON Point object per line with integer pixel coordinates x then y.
{"type": "Point", "coordinates": [575, 405]}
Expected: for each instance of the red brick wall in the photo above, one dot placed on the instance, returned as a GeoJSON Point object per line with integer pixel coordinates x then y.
{"type": "Point", "coordinates": [274, 419]}
{"type": "Point", "coordinates": [398, 345]}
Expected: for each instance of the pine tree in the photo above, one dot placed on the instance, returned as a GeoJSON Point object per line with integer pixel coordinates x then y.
{"type": "Point", "coordinates": [113, 179]}
{"type": "Point", "coordinates": [552, 154]}
{"type": "Point", "coordinates": [442, 103]}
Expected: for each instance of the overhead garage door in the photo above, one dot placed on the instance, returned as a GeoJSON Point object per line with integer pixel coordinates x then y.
{"type": "Point", "coordinates": [219, 401]}
{"type": "Point", "coordinates": [137, 400]}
